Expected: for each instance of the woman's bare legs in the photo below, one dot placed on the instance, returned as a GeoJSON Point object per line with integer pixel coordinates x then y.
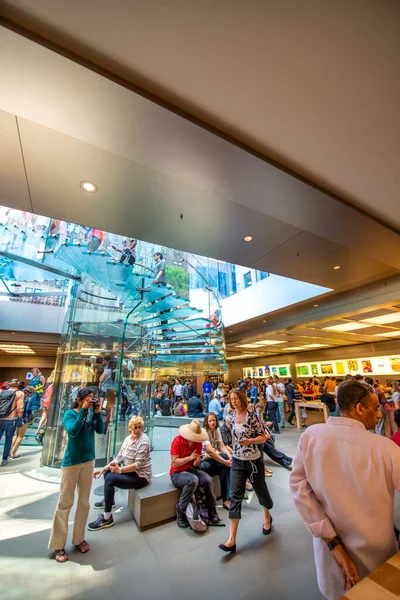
{"type": "Point", "coordinates": [233, 527]}
{"type": "Point", "coordinates": [43, 420]}
{"type": "Point", "coordinates": [267, 518]}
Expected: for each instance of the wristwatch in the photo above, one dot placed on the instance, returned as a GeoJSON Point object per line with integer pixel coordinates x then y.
{"type": "Point", "coordinates": [335, 542]}
{"type": "Point", "coordinates": [120, 470]}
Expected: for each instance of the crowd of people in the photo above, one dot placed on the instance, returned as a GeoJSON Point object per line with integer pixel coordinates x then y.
{"type": "Point", "coordinates": [227, 437]}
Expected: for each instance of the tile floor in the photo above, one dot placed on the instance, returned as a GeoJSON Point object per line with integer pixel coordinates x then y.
{"type": "Point", "coordinates": [163, 562]}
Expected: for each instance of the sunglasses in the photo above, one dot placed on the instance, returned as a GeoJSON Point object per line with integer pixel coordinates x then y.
{"type": "Point", "coordinates": [367, 390]}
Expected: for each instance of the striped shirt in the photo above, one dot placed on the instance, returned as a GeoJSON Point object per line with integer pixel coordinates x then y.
{"type": "Point", "coordinates": [136, 452]}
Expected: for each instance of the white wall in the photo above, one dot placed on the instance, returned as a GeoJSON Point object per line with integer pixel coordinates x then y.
{"type": "Point", "coordinates": [265, 296]}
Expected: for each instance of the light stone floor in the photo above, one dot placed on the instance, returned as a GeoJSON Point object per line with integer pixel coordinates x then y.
{"type": "Point", "coordinates": [163, 562]}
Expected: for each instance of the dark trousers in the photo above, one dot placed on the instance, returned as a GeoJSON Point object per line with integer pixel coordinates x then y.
{"type": "Point", "coordinates": [272, 408]}
{"type": "Point", "coordinates": [213, 467]}
{"type": "Point", "coordinates": [242, 470]}
{"type": "Point", "coordinates": [123, 481]}
{"type": "Point", "coordinates": [276, 455]}
{"type": "Point", "coordinates": [187, 481]}
{"type": "Point", "coordinates": [292, 413]}
{"type": "Point", "coordinates": [7, 426]}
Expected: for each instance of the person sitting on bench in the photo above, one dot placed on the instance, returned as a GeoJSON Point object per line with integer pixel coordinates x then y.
{"type": "Point", "coordinates": [130, 470]}
{"type": "Point", "coordinates": [186, 451]}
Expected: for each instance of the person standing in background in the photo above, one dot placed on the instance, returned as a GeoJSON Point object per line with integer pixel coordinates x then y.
{"type": "Point", "coordinates": [272, 403]}
{"type": "Point", "coordinates": [289, 391]}
{"type": "Point", "coordinates": [11, 410]}
{"type": "Point", "coordinates": [159, 269]}
{"type": "Point", "coordinates": [94, 238]}
{"type": "Point", "coordinates": [281, 404]}
{"type": "Point", "coordinates": [253, 391]}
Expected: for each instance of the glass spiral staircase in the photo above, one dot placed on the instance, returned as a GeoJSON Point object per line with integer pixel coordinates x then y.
{"type": "Point", "coordinates": [153, 332]}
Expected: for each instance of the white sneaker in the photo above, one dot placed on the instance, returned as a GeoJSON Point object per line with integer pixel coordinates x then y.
{"type": "Point", "coordinates": [5, 462]}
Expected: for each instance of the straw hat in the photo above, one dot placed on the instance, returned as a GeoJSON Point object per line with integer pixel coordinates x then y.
{"type": "Point", "coordinates": [193, 432]}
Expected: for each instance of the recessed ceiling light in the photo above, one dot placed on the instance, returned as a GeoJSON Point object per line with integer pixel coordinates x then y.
{"type": "Point", "coordinates": [346, 327]}
{"type": "Point", "coordinates": [389, 334]}
{"type": "Point", "coordinates": [315, 305]}
{"type": "Point", "coordinates": [89, 186]}
{"type": "Point", "coordinates": [248, 238]}
{"type": "Point", "coordinates": [269, 342]}
{"type": "Point", "coordinates": [315, 345]}
{"type": "Point", "coordinates": [336, 267]}
{"type": "Point", "coordinates": [384, 319]}
{"type": "Point", "coordinates": [264, 321]}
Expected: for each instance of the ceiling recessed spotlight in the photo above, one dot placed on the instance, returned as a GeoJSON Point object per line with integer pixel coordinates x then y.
{"type": "Point", "coordinates": [265, 320]}
{"type": "Point", "coordinates": [248, 238]}
{"type": "Point", "coordinates": [88, 186]}
{"type": "Point", "coordinates": [336, 267]}
{"type": "Point", "coordinates": [315, 305]}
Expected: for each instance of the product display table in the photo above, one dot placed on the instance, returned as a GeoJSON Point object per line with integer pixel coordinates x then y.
{"type": "Point", "coordinates": [312, 404]}
{"type": "Point", "coordinates": [381, 584]}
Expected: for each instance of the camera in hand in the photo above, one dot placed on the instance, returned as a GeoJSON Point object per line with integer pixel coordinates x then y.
{"type": "Point", "coordinates": [96, 402]}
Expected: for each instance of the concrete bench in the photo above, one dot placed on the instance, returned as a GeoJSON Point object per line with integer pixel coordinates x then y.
{"type": "Point", "coordinates": [160, 421]}
{"type": "Point", "coordinates": [156, 502]}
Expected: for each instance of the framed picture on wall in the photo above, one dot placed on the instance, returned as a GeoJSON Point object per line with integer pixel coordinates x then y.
{"type": "Point", "coordinates": [366, 366]}
{"type": "Point", "coordinates": [274, 370]}
{"type": "Point", "coordinates": [395, 364]}
{"type": "Point", "coordinates": [283, 372]}
{"type": "Point", "coordinates": [267, 371]}
{"type": "Point", "coordinates": [314, 369]}
{"type": "Point", "coordinates": [327, 369]}
{"type": "Point", "coordinates": [339, 368]}
{"type": "Point", "coordinates": [260, 371]}
{"type": "Point", "coordinates": [352, 365]}
{"type": "Point", "coordinates": [302, 370]}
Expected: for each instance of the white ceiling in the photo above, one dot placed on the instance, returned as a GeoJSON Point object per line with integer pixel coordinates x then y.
{"type": "Point", "coordinates": [312, 84]}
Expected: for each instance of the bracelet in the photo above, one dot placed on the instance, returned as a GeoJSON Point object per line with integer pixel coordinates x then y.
{"type": "Point", "coordinates": [335, 542]}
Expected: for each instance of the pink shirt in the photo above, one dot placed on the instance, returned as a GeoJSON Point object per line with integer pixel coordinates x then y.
{"type": "Point", "coordinates": [343, 483]}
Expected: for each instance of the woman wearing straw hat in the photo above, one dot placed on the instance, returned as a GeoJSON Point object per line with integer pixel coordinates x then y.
{"type": "Point", "coordinates": [186, 450]}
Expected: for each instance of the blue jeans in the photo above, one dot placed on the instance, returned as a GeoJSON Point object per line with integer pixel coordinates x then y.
{"type": "Point", "coordinates": [281, 413]}
{"type": "Point", "coordinates": [207, 398]}
{"type": "Point", "coordinates": [187, 481]}
{"type": "Point", "coordinates": [8, 426]}
{"type": "Point", "coordinates": [272, 408]}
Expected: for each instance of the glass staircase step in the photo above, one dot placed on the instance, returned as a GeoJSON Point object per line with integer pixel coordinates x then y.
{"type": "Point", "coordinates": [178, 313]}
{"type": "Point", "coordinates": [166, 303]}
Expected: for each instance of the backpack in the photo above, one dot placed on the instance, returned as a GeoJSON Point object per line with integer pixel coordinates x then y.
{"type": "Point", "coordinates": [7, 398]}
{"type": "Point", "coordinates": [195, 521]}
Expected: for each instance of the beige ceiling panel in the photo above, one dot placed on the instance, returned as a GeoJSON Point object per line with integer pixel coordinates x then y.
{"type": "Point", "coordinates": [13, 186]}
{"type": "Point", "coordinates": [135, 200]}
{"type": "Point", "coordinates": [311, 258]}
{"type": "Point", "coordinates": [82, 104]}
{"type": "Point", "coordinates": [312, 84]}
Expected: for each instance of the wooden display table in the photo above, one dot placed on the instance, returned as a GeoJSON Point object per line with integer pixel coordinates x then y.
{"type": "Point", "coordinates": [381, 584]}
{"type": "Point", "coordinates": [312, 404]}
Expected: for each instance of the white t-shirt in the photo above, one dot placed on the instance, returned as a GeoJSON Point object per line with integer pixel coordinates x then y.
{"type": "Point", "coordinates": [272, 396]}
{"type": "Point", "coordinates": [177, 389]}
{"type": "Point", "coordinates": [281, 390]}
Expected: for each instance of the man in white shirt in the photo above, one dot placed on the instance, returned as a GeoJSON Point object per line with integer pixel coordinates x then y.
{"type": "Point", "coordinates": [343, 484]}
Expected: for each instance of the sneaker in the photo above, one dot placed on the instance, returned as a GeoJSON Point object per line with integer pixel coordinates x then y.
{"type": "Point", "coordinates": [101, 523]}
{"type": "Point", "coordinates": [7, 461]}
{"type": "Point", "coordinates": [101, 504]}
